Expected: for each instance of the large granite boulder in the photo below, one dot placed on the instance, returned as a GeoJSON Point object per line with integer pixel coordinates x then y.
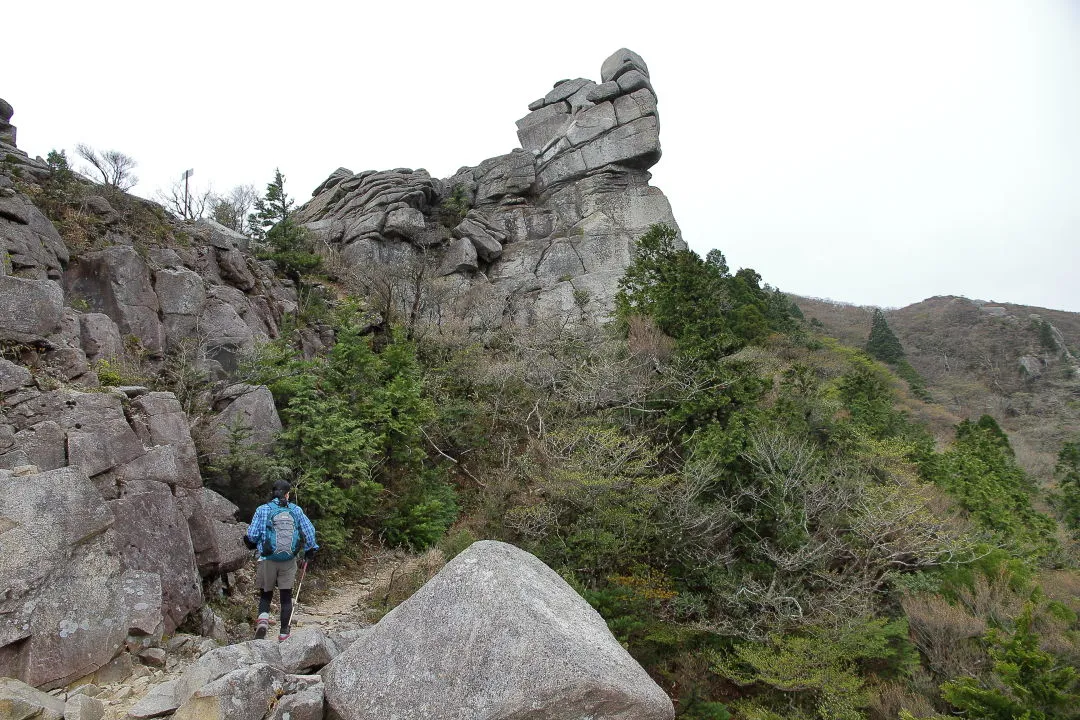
{"type": "Point", "coordinates": [496, 634]}
{"type": "Point", "coordinates": [61, 616]}
{"type": "Point", "coordinates": [19, 701]}
{"type": "Point", "coordinates": [243, 694]}
{"type": "Point", "coordinates": [245, 413]}
{"type": "Point", "coordinates": [116, 281]}
{"type": "Point", "coordinates": [550, 226]}
{"type": "Point", "coordinates": [154, 537]}
{"type": "Point", "coordinates": [159, 419]}
{"type": "Point", "coordinates": [30, 310]}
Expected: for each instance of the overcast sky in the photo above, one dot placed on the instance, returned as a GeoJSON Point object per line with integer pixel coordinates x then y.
{"type": "Point", "coordinates": [871, 152]}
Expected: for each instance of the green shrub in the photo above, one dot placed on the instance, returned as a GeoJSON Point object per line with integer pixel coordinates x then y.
{"type": "Point", "coordinates": [352, 436]}
{"type": "Point", "coordinates": [454, 208]}
{"type": "Point", "coordinates": [980, 471]}
{"type": "Point", "coordinates": [1027, 682]}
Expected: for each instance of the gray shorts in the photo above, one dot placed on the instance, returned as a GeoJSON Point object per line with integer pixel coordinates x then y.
{"type": "Point", "coordinates": [271, 573]}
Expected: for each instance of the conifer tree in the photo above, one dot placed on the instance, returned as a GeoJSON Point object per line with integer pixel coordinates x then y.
{"type": "Point", "coordinates": [286, 243]}
{"type": "Point", "coordinates": [1068, 477]}
{"type": "Point", "coordinates": [883, 344]}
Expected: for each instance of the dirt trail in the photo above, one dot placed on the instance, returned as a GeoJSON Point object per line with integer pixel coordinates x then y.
{"type": "Point", "coordinates": [331, 600]}
{"type": "Point", "coordinates": [345, 603]}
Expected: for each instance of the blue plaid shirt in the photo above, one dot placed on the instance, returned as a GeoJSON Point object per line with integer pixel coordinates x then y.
{"type": "Point", "coordinates": [262, 514]}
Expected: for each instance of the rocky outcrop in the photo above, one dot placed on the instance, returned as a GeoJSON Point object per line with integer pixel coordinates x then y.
{"type": "Point", "coordinates": [245, 413]}
{"type": "Point", "coordinates": [30, 310]}
{"type": "Point", "coordinates": [107, 530]}
{"type": "Point", "coordinates": [496, 634]}
{"type": "Point", "coordinates": [33, 247]}
{"type": "Point", "coordinates": [547, 229]}
{"type": "Point", "coordinates": [121, 473]}
{"type": "Point", "coordinates": [7, 130]}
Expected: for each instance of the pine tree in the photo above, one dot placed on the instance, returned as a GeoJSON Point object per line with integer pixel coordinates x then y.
{"type": "Point", "coordinates": [883, 344]}
{"type": "Point", "coordinates": [286, 243]}
{"type": "Point", "coordinates": [273, 208]}
{"type": "Point", "coordinates": [1068, 477]}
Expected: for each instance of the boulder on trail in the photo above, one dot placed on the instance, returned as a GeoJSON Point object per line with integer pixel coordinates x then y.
{"type": "Point", "coordinates": [19, 701]}
{"type": "Point", "coordinates": [307, 650]}
{"type": "Point", "coordinates": [244, 694]}
{"type": "Point", "coordinates": [496, 634]}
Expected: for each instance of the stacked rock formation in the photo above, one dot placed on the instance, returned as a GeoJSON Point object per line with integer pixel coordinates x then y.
{"type": "Point", "coordinates": [7, 130]}
{"type": "Point", "coordinates": [543, 231]}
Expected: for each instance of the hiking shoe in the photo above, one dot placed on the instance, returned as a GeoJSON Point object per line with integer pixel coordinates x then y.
{"type": "Point", "coordinates": [283, 637]}
{"type": "Point", "coordinates": [262, 625]}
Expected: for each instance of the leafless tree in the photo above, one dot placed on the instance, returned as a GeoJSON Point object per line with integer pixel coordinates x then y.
{"type": "Point", "coordinates": [114, 166]}
{"type": "Point", "coordinates": [232, 210]}
{"type": "Point", "coordinates": [188, 204]}
{"type": "Point", "coordinates": [403, 289]}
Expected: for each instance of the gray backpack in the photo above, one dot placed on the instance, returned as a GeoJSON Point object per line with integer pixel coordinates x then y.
{"type": "Point", "coordinates": [282, 539]}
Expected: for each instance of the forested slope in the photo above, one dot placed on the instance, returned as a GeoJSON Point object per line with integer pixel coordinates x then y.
{"type": "Point", "coordinates": [750, 504]}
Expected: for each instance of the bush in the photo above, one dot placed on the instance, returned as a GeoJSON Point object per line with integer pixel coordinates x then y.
{"type": "Point", "coordinates": [352, 429]}
{"type": "Point", "coordinates": [1026, 683]}
{"type": "Point", "coordinates": [819, 669]}
{"type": "Point", "coordinates": [981, 473]}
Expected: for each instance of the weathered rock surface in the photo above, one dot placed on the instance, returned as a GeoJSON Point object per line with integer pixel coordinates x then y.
{"type": "Point", "coordinates": [307, 650]}
{"type": "Point", "coordinates": [19, 701]}
{"type": "Point", "coordinates": [61, 617]}
{"type": "Point", "coordinates": [551, 226]}
{"type": "Point", "coordinates": [161, 700]}
{"type": "Point", "coordinates": [159, 530]}
{"type": "Point", "coordinates": [250, 410]}
{"type": "Point", "coordinates": [243, 694]}
{"type": "Point", "coordinates": [304, 705]}
{"type": "Point", "coordinates": [496, 634]}
{"type": "Point", "coordinates": [82, 707]}
{"type": "Point", "coordinates": [117, 282]}
{"type": "Point", "coordinates": [30, 310]}
{"type": "Point", "coordinates": [222, 661]}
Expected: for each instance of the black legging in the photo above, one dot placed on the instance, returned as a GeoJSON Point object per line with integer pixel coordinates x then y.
{"type": "Point", "coordinates": [266, 596]}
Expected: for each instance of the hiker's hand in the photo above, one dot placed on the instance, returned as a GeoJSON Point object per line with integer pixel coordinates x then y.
{"type": "Point", "coordinates": [251, 544]}
{"type": "Point", "coordinates": [309, 556]}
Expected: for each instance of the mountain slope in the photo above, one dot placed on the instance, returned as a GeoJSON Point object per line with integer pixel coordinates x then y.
{"type": "Point", "coordinates": [1016, 363]}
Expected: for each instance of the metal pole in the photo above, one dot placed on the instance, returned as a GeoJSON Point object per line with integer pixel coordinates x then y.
{"type": "Point", "coordinates": [187, 196]}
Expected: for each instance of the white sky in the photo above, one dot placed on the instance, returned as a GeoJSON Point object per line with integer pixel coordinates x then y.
{"type": "Point", "coordinates": [872, 152]}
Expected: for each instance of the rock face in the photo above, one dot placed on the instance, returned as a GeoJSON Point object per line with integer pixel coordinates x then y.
{"type": "Point", "coordinates": [106, 531]}
{"type": "Point", "coordinates": [543, 231]}
{"type": "Point", "coordinates": [130, 466]}
{"type": "Point", "coordinates": [61, 616]}
{"type": "Point", "coordinates": [496, 634]}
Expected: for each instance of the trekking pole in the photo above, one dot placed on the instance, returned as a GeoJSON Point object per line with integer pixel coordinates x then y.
{"type": "Point", "coordinates": [296, 595]}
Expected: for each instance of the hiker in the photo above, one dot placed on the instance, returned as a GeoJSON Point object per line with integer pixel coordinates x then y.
{"type": "Point", "coordinates": [280, 531]}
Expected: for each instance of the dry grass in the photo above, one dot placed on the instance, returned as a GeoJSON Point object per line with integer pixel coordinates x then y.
{"type": "Point", "coordinates": [891, 698]}
{"type": "Point", "coordinates": [993, 599]}
{"type": "Point", "coordinates": [946, 634]}
{"type": "Point", "coordinates": [402, 576]}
